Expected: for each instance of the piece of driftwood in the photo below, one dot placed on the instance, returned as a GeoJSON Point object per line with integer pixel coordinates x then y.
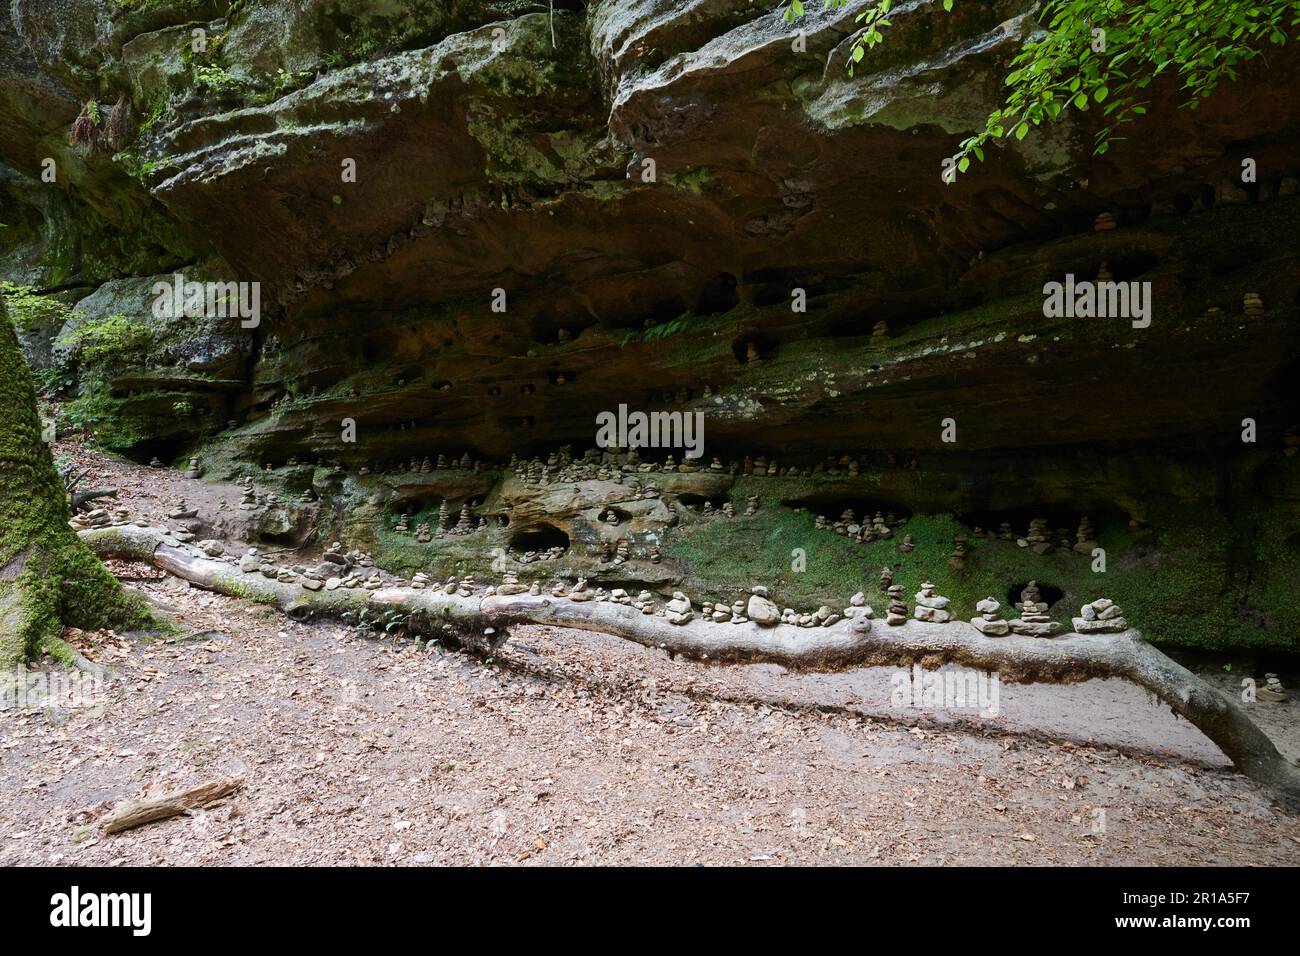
{"type": "Point", "coordinates": [134, 813]}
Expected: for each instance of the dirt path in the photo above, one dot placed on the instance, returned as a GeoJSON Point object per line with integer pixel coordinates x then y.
{"type": "Point", "coordinates": [575, 748]}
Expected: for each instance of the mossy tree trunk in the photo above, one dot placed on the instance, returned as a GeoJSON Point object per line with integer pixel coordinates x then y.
{"type": "Point", "coordinates": [48, 577]}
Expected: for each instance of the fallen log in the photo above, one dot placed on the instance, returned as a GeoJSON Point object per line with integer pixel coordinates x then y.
{"type": "Point", "coordinates": [135, 813]}
{"type": "Point", "coordinates": [1066, 658]}
{"type": "Point", "coordinates": [82, 498]}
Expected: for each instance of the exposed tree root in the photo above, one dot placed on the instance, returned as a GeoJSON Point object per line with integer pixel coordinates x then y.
{"type": "Point", "coordinates": [1062, 659]}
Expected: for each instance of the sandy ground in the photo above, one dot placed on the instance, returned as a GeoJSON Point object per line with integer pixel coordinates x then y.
{"type": "Point", "coordinates": [577, 748]}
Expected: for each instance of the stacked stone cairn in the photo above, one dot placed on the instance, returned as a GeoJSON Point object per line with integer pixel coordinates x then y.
{"type": "Point", "coordinates": [957, 560]}
{"type": "Point", "coordinates": [95, 518]}
{"type": "Point", "coordinates": [510, 585]}
{"type": "Point", "coordinates": [859, 613]}
{"type": "Point", "coordinates": [678, 610]}
{"type": "Point", "coordinates": [931, 607]}
{"type": "Point", "coordinates": [465, 525]}
{"type": "Point", "coordinates": [1037, 539]}
{"type": "Point", "coordinates": [1033, 620]}
{"type": "Point", "coordinates": [1101, 616]}
{"type": "Point", "coordinates": [896, 613]}
{"type": "Point", "coordinates": [760, 609]}
{"type": "Point", "coordinates": [990, 623]}
{"type": "Point", "coordinates": [1085, 537]}
{"type": "Point", "coordinates": [1273, 692]}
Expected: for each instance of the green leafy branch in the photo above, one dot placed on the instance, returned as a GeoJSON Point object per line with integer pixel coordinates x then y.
{"type": "Point", "coordinates": [1104, 54]}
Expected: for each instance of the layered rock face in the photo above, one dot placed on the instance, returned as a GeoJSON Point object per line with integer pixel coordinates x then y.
{"type": "Point", "coordinates": [477, 226]}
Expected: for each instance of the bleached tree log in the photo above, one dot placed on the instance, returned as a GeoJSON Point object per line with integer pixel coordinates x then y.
{"type": "Point", "coordinates": [1063, 659]}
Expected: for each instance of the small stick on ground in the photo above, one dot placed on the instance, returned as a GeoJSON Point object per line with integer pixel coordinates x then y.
{"type": "Point", "coordinates": [134, 813]}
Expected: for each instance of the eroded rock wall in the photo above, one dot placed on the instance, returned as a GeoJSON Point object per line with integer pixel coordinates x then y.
{"type": "Point", "coordinates": [498, 147]}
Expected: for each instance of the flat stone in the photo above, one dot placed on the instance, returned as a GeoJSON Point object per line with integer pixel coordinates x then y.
{"type": "Point", "coordinates": [934, 615]}
{"type": "Point", "coordinates": [1112, 625]}
{"type": "Point", "coordinates": [1035, 628]}
{"type": "Point", "coordinates": [762, 611]}
{"type": "Point", "coordinates": [991, 628]}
